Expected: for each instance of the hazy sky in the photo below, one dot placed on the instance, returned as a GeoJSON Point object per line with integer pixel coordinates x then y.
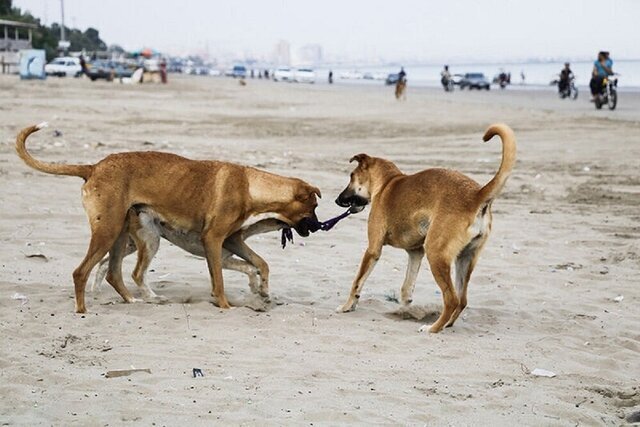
{"type": "Point", "coordinates": [445, 30]}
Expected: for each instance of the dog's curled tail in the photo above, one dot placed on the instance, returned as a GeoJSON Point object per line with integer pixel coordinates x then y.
{"type": "Point", "coordinates": [494, 187]}
{"type": "Point", "coordinates": [83, 171]}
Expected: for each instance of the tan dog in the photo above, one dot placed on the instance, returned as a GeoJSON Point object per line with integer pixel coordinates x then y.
{"type": "Point", "coordinates": [401, 87]}
{"type": "Point", "coordinates": [145, 230]}
{"type": "Point", "coordinates": [211, 198]}
{"type": "Point", "coordinates": [439, 212]}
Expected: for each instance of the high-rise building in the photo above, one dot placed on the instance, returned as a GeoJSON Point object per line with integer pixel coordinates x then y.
{"type": "Point", "coordinates": [282, 53]}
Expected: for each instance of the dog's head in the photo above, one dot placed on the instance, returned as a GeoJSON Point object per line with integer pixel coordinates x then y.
{"type": "Point", "coordinates": [357, 195]}
{"type": "Point", "coordinates": [301, 211]}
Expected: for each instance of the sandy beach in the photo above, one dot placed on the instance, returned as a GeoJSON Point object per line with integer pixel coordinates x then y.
{"type": "Point", "coordinates": [556, 287]}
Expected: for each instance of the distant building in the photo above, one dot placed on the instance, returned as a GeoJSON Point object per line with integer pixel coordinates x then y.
{"type": "Point", "coordinates": [310, 54]}
{"type": "Point", "coordinates": [14, 37]}
{"type": "Point", "coordinates": [282, 53]}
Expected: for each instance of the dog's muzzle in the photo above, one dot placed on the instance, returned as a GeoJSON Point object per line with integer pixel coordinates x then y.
{"type": "Point", "coordinates": [307, 225]}
{"type": "Point", "coordinates": [354, 202]}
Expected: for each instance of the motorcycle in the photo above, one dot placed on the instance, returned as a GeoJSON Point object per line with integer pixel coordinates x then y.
{"type": "Point", "coordinates": [608, 94]}
{"type": "Point", "coordinates": [447, 84]}
{"type": "Point", "coordinates": [569, 91]}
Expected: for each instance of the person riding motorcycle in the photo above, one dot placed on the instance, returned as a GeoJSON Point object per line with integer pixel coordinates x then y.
{"type": "Point", "coordinates": [445, 77]}
{"type": "Point", "coordinates": [402, 75]}
{"type": "Point", "coordinates": [566, 75]}
{"type": "Point", "coordinates": [602, 68]}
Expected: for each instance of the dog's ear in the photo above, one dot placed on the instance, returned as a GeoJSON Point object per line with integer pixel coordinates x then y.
{"type": "Point", "coordinates": [362, 159]}
{"type": "Point", "coordinates": [307, 191]}
{"type": "Point", "coordinates": [316, 191]}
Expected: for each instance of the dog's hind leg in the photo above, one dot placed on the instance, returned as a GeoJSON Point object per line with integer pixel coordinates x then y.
{"type": "Point", "coordinates": [103, 266]}
{"type": "Point", "coordinates": [413, 267]}
{"type": "Point", "coordinates": [465, 263]}
{"type": "Point", "coordinates": [442, 245]}
{"type": "Point", "coordinates": [147, 240]}
{"type": "Point", "coordinates": [105, 229]}
{"type": "Point", "coordinates": [114, 274]}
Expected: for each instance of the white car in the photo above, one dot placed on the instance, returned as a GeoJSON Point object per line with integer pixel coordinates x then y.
{"type": "Point", "coordinates": [304, 75]}
{"type": "Point", "coordinates": [64, 66]}
{"type": "Point", "coordinates": [284, 74]}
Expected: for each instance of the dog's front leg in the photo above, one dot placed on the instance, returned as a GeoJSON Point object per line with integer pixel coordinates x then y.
{"type": "Point", "coordinates": [369, 261]}
{"type": "Point", "coordinates": [238, 246]}
{"type": "Point", "coordinates": [213, 251]}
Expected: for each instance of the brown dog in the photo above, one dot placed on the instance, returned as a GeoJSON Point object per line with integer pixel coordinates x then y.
{"type": "Point", "coordinates": [401, 87]}
{"type": "Point", "coordinates": [145, 230]}
{"type": "Point", "coordinates": [211, 198]}
{"type": "Point", "coordinates": [438, 212]}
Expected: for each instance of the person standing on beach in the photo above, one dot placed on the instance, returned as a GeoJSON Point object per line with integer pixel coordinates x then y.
{"type": "Point", "coordinates": [602, 67]}
{"type": "Point", "coordinates": [330, 76]}
{"type": "Point", "coordinates": [163, 70]}
{"type": "Point", "coordinates": [522, 77]}
{"type": "Point", "coordinates": [445, 78]}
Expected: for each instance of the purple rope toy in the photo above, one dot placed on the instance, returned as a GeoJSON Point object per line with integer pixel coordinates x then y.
{"type": "Point", "coordinates": [287, 234]}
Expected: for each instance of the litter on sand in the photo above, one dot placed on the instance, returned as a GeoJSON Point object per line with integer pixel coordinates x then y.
{"type": "Point", "coordinates": [538, 372]}
{"type": "Point", "coordinates": [619, 298]}
{"type": "Point", "coordinates": [125, 372]}
{"type": "Point", "coordinates": [37, 255]}
{"type": "Point", "coordinates": [20, 297]}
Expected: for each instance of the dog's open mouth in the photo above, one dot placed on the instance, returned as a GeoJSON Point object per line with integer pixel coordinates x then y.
{"type": "Point", "coordinates": [354, 203]}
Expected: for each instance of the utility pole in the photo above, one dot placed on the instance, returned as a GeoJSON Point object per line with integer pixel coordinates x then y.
{"type": "Point", "coordinates": [63, 44]}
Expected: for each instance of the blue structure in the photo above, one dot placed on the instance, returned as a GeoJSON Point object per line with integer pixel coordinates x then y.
{"type": "Point", "coordinates": [32, 64]}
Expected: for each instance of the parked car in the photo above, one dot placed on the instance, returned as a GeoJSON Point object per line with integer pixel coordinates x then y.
{"type": "Point", "coordinates": [101, 69]}
{"type": "Point", "coordinates": [457, 78]}
{"type": "Point", "coordinates": [392, 79]}
{"type": "Point", "coordinates": [475, 80]}
{"type": "Point", "coordinates": [64, 66]}
{"type": "Point", "coordinates": [239, 71]}
{"type": "Point", "coordinates": [304, 75]}
{"type": "Point", "coordinates": [283, 74]}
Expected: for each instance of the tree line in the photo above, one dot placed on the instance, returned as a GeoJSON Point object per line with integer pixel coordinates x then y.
{"type": "Point", "coordinates": [47, 37]}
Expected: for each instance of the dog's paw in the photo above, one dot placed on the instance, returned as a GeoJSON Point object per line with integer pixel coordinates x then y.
{"type": "Point", "coordinates": [434, 329]}
{"type": "Point", "coordinates": [224, 304]}
{"type": "Point", "coordinates": [346, 308]}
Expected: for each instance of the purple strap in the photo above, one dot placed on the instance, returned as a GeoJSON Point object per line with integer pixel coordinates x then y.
{"type": "Point", "coordinates": [287, 234]}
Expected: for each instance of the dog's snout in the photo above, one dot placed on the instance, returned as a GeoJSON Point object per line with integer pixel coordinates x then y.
{"type": "Point", "coordinates": [344, 199]}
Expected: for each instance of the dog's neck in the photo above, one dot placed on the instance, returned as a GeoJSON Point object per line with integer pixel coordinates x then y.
{"type": "Point", "coordinates": [382, 172]}
{"type": "Point", "coordinates": [262, 195]}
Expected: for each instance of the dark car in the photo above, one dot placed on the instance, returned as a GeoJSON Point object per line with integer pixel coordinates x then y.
{"type": "Point", "coordinates": [392, 79]}
{"type": "Point", "coordinates": [106, 69]}
{"type": "Point", "coordinates": [239, 71]}
{"type": "Point", "coordinates": [475, 81]}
